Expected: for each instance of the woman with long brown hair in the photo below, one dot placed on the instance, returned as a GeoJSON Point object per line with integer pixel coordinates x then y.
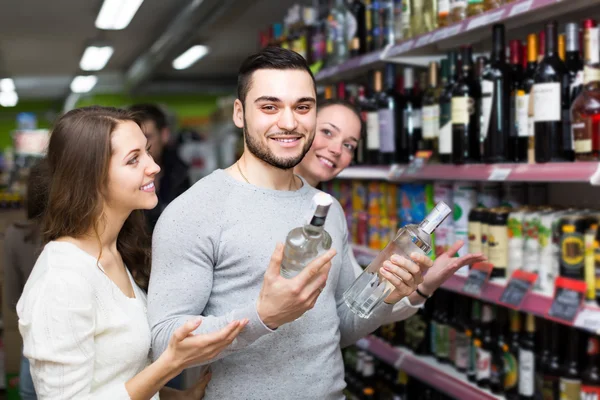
{"type": "Point", "coordinates": [82, 314]}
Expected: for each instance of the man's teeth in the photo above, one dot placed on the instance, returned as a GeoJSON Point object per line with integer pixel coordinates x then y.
{"type": "Point", "coordinates": [326, 161]}
{"type": "Point", "coordinates": [148, 186]}
{"type": "Point", "coordinates": [287, 140]}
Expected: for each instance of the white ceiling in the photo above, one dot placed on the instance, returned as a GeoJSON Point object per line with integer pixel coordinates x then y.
{"type": "Point", "coordinates": [41, 41]}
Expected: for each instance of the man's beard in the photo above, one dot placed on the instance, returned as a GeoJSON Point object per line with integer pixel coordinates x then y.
{"type": "Point", "coordinates": [263, 152]}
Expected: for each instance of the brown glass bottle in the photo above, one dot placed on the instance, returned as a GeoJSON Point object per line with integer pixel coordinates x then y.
{"type": "Point", "coordinates": [585, 111]}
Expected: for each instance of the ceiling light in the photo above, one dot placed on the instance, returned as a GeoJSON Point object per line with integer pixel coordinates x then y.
{"type": "Point", "coordinates": [7, 85]}
{"type": "Point", "coordinates": [8, 99]}
{"type": "Point", "coordinates": [95, 58]}
{"type": "Point", "coordinates": [117, 14]}
{"type": "Point", "coordinates": [83, 84]}
{"type": "Point", "coordinates": [190, 56]}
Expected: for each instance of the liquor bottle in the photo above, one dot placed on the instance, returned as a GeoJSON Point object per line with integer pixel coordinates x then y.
{"type": "Point", "coordinates": [390, 123]}
{"type": "Point", "coordinates": [570, 380]}
{"type": "Point", "coordinates": [524, 111]}
{"type": "Point", "coordinates": [499, 347]}
{"type": "Point", "coordinates": [543, 355]}
{"type": "Point", "coordinates": [495, 102]}
{"type": "Point", "coordinates": [466, 112]}
{"type": "Point", "coordinates": [433, 323]}
{"type": "Point", "coordinates": [371, 288]}
{"type": "Point", "coordinates": [430, 15]}
{"type": "Point", "coordinates": [527, 364]}
{"type": "Point", "coordinates": [359, 36]}
{"type": "Point", "coordinates": [443, 13]}
{"type": "Point", "coordinates": [369, 41]}
{"type": "Point", "coordinates": [485, 346]}
{"type": "Point", "coordinates": [462, 343]}
{"type": "Point", "coordinates": [431, 111]}
{"type": "Point", "coordinates": [550, 98]}
{"type": "Point", "coordinates": [458, 10]}
{"type": "Point", "coordinates": [417, 330]}
{"type": "Point", "coordinates": [511, 357]}
{"type": "Point", "coordinates": [417, 22]}
{"type": "Point", "coordinates": [442, 342]}
{"type": "Point", "coordinates": [445, 141]}
{"type": "Point", "coordinates": [386, 11]}
{"type": "Point", "coordinates": [491, 4]}
{"type": "Point", "coordinates": [407, 31]}
{"type": "Point", "coordinates": [475, 7]}
{"type": "Point", "coordinates": [573, 59]}
{"type": "Point", "coordinates": [590, 378]}
{"type": "Point", "coordinates": [305, 243]}
{"type": "Point", "coordinates": [339, 16]}
{"type": "Point", "coordinates": [362, 155]}
{"type": "Point", "coordinates": [552, 370]}
{"type": "Point", "coordinates": [519, 139]}
{"type": "Point", "coordinates": [585, 110]}
{"type": "Point", "coordinates": [341, 91]}
{"type": "Point", "coordinates": [474, 333]}
{"type": "Point", "coordinates": [411, 134]}
{"type": "Point", "coordinates": [369, 106]}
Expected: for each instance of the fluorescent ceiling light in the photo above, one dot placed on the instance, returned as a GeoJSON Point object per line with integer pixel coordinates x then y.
{"type": "Point", "coordinates": [117, 14]}
{"type": "Point", "coordinates": [190, 56]}
{"type": "Point", "coordinates": [7, 85]}
{"type": "Point", "coordinates": [83, 84]}
{"type": "Point", "coordinates": [95, 58]}
{"type": "Point", "coordinates": [8, 99]}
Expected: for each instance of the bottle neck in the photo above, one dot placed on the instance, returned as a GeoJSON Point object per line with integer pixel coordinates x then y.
{"type": "Point", "coordinates": [551, 40]}
{"type": "Point", "coordinates": [498, 48]}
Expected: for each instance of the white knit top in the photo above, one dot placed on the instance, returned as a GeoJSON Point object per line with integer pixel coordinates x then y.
{"type": "Point", "coordinates": [85, 339]}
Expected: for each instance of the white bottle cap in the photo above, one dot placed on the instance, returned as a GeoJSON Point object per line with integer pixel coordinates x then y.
{"type": "Point", "coordinates": [435, 217]}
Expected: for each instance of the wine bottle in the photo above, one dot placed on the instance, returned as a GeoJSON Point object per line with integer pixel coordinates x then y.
{"type": "Point", "coordinates": [550, 93]}
{"type": "Point", "coordinates": [519, 138]}
{"type": "Point", "coordinates": [466, 112]}
{"type": "Point", "coordinates": [495, 102]}
{"type": "Point", "coordinates": [305, 243]}
{"type": "Point", "coordinates": [389, 121]}
{"type": "Point", "coordinates": [445, 141]}
{"type": "Point", "coordinates": [431, 111]}
{"type": "Point", "coordinates": [411, 110]}
{"type": "Point", "coordinates": [527, 364]}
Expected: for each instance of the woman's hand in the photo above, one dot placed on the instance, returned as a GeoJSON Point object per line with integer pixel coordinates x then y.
{"type": "Point", "coordinates": [186, 349]}
{"type": "Point", "coordinates": [404, 274]}
{"type": "Point", "coordinates": [445, 266]}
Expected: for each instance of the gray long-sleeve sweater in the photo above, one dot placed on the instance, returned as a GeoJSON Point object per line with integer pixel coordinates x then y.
{"type": "Point", "coordinates": [211, 248]}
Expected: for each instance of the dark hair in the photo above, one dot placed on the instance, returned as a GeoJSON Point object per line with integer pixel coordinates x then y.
{"type": "Point", "coordinates": [269, 58]}
{"type": "Point", "coordinates": [150, 112]}
{"type": "Point", "coordinates": [350, 106]}
{"type": "Point", "coordinates": [78, 158]}
{"type": "Point", "coordinates": [37, 190]}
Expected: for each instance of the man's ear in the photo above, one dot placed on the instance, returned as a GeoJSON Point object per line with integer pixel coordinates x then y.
{"type": "Point", "coordinates": [238, 114]}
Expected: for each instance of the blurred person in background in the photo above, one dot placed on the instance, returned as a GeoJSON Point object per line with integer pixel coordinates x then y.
{"type": "Point", "coordinates": [82, 314]}
{"type": "Point", "coordinates": [338, 132]}
{"type": "Point", "coordinates": [22, 245]}
{"type": "Point", "coordinates": [173, 178]}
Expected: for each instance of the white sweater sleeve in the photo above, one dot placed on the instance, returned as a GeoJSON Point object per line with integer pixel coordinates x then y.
{"type": "Point", "coordinates": [57, 322]}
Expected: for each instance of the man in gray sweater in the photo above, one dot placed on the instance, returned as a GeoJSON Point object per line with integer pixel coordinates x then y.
{"type": "Point", "coordinates": [213, 253]}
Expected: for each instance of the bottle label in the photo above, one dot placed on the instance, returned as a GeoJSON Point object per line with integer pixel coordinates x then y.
{"type": "Point", "coordinates": [546, 102]}
{"type": "Point", "coordinates": [460, 110]}
{"type": "Point", "coordinates": [498, 245]}
{"type": "Point", "coordinates": [442, 341]}
{"type": "Point", "coordinates": [445, 142]}
{"type": "Point", "coordinates": [474, 237]}
{"type": "Point", "coordinates": [590, 74]}
{"type": "Point", "coordinates": [511, 371]}
{"type": "Point", "coordinates": [590, 392]}
{"type": "Point", "coordinates": [570, 389]}
{"type": "Point", "coordinates": [431, 121]}
{"type": "Point", "coordinates": [484, 364]}
{"type": "Point", "coordinates": [572, 250]}
{"type": "Point", "coordinates": [551, 387]}
{"type": "Point", "coordinates": [461, 357]}
{"type": "Point", "coordinates": [582, 135]}
{"type": "Point", "coordinates": [452, 344]}
{"type": "Point", "coordinates": [526, 372]}
{"type": "Point", "coordinates": [487, 98]}
{"type": "Point", "coordinates": [443, 8]}
{"type": "Point", "coordinates": [372, 130]}
{"type": "Point", "coordinates": [591, 34]}
{"type": "Point", "coordinates": [387, 132]}
{"type": "Point", "coordinates": [417, 119]}
{"type": "Point", "coordinates": [522, 117]}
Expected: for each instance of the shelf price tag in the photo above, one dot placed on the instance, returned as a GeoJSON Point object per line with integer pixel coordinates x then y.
{"type": "Point", "coordinates": [520, 8]}
{"type": "Point", "coordinates": [419, 162]}
{"type": "Point", "coordinates": [589, 319]}
{"type": "Point", "coordinates": [518, 286]}
{"type": "Point", "coordinates": [499, 174]}
{"type": "Point", "coordinates": [568, 298]}
{"type": "Point", "coordinates": [479, 274]}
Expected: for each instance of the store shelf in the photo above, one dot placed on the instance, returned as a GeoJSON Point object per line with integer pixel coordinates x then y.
{"type": "Point", "coordinates": [426, 369]}
{"type": "Point", "coordinates": [520, 18]}
{"type": "Point", "coordinates": [534, 303]}
{"type": "Point", "coordinates": [551, 172]}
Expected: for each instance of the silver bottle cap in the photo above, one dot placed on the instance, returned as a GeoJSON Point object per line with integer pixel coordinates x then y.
{"type": "Point", "coordinates": [572, 36]}
{"type": "Point", "coordinates": [435, 217]}
{"type": "Point", "coordinates": [321, 203]}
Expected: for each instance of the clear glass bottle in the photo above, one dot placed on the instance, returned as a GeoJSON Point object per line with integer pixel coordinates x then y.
{"type": "Point", "coordinates": [305, 243]}
{"type": "Point", "coordinates": [370, 288]}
